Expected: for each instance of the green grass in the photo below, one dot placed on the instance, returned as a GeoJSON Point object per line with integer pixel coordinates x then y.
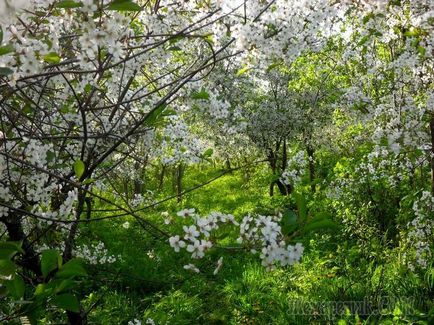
{"type": "Point", "coordinates": [149, 281]}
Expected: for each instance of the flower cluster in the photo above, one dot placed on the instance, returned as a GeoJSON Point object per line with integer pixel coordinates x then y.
{"type": "Point", "coordinates": [421, 231]}
{"type": "Point", "coordinates": [179, 144]}
{"type": "Point", "coordinates": [264, 232]}
{"type": "Point", "coordinates": [95, 254]}
{"type": "Point", "coordinates": [197, 237]}
{"type": "Point", "coordinates": [296, 168]}
{"type": "Point", "coordinates": [139, 322]}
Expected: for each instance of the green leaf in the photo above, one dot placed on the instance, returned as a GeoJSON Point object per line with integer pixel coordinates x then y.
{"type": "Point", "coordinates": [66, 301]}
{"type": "Point", "coordinates": [123, 5]}
{"type": "Point", "coordinates": [41, 290]}
{"type": "Point", "coordinates": [200, 95]}
{"type": "Point", "coordinates": [9, 249]}
{"type": "Point", "coordinates": [301, 206]}
{"type": "Point", "coordinates": [88, 181]}
{"type": "Point", "coordinates": [16, 287]}
{"type": "Point", "coordinates": [324, 224]}
{"type": "Point", "coordinates": [421, 50]}
{"type": "Point", "coordinates": [273, 66]}
{"type": "Point", "coordinates": [6, 49]}
{"type": "Point", "coordinates": [242, 71]}
{"type": "Point", "coordinates": [154, 115]}
{"type": "Point", "coordinates": [363, 40]}
{"type": "Point", "coordinates": [63, 285]}
{"type": "Point", "coordinates": [68, 4]}
{"type": "Point", "coordinates": [50, 261]}
{"type": "Point", "coordinates": [174, 48]}
{"type": "Point", "coordinates": [5, 71]}
{"type": "Point", "coordinates": [208, 153]}
{"type": "Point", "coordinates": [288, 222]}
{"type": "Point", "coordinates": [52, 57]}
{"type": "Point", "coordinates": [368, 17]}
{"type": "Point", "coordinates": [50, 156]}
{"type": "Point", "coordinates": [7, 254]}
{"type": "Point", "coordinates": [71, 269]}
{"type": "Point", "coordinates": [7, 268]}
{"type": "Point", "coordinates": [79, 168]}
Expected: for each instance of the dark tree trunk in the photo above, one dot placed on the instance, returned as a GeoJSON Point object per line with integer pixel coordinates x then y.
{"type": "Point", "coordinates": [161, 178]}
{"type": "Point", "coordinates": [284, 189]}
{"type": "Point", "coordinates": [228, 164]}
{"type": "Point", "coordinates": [138, 186]}
{"type": "Point", "coordinates": [70, 240]}
{"type": "Point", "coordinates": [138, 181]}
{"type": "Point", "coordinates": [73, 317]}
{"type": "Point", "coordinates": [179, 175]}
{"type": "Point", "coordinates": [271, 189]}
{"type": "Point", "coordinates": [77, 318]}
{"type": "Point", "coordinates": [30, 259]}
{"type": "Point", "coordinates": [284, 156]}
{"type": "Point", "coordinates": [272, 159]}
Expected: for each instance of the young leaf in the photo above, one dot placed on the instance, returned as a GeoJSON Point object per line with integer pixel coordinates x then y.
{"type": "Point", "coordinates": [242, 71]}
{"type": "Point", "coordinates": [66, 301]}
{"type": "Point", "coordinates": [6, 49]}
{"type": "Point", "coordinates": [68, 4]}
{"type": "Point", "coordinates": [155, 114]}
{"type": "Point", "coordinates": [71, 269]}
{"type": "Point", "coordinates": [79, 168]}
{"type": "Point", "coordinates": [52, 57]}
{"type": "Point", "coordinates": [16, 287]}
{"type": "Point", "coordinates": [9, 249]}
{"type": "Point", "coordinates": [123, 5]}
{"type": "Point", "coordinates": [200, 95]}
{"type": "Point", "coordinates": [208, 153]}
{"type": "Point", "coordinates": [50, 261]}
{"type": "Point", "coordinates": [7, 268]}
{"type": "Point", "coordinates": [320, 225]}
{"type": "Point", "coordinates": [63, 285]}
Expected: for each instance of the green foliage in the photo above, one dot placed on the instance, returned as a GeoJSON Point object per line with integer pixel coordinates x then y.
{"type": "Point", "coordinates": [68, 4]}
{"type": "Point", "coordinates": [202, 94]}
{"type": "Point", "coordinates": [123, 5]}
{"type": "Point", "coordinates": [79, 168]}
{"type": "Point", "coordinates": [56, 290]}
{"type": "Point", "coordinates": [52, 58]}
{"type": "Point", "coordinates": [6, 49]}
{"type": "Point", "coordinates": [50, 261]}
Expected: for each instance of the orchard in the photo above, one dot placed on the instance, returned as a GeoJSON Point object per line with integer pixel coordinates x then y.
{"type": "Point", "coordinates": [216, 162]}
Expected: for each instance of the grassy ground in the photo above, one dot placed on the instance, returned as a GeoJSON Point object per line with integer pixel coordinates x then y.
{"type": "Point", "coordinates": [149, 281]}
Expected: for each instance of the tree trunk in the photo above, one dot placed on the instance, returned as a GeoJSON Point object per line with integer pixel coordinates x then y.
{"type": "Point", "coordinates": [138, 181]}
{"type": "Point", "coordinates": [179, 175]}
{"type": "Point", "coordinates": [161, 178]}
{"type": "Point", "coordinates": [228, 165]}
{"type": "Point", "coordinates": [77, 318]}
{"type": "Point", "coordinates": [70, 240]}
{"type": "Point", "coordinates": [272, 161]}
{"type": "Point", "coordinates": [283, 188]}
{"type": "Point", "coordinates": [30, 259]}
{"type": "Point", "coordinates": [271, 191]}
